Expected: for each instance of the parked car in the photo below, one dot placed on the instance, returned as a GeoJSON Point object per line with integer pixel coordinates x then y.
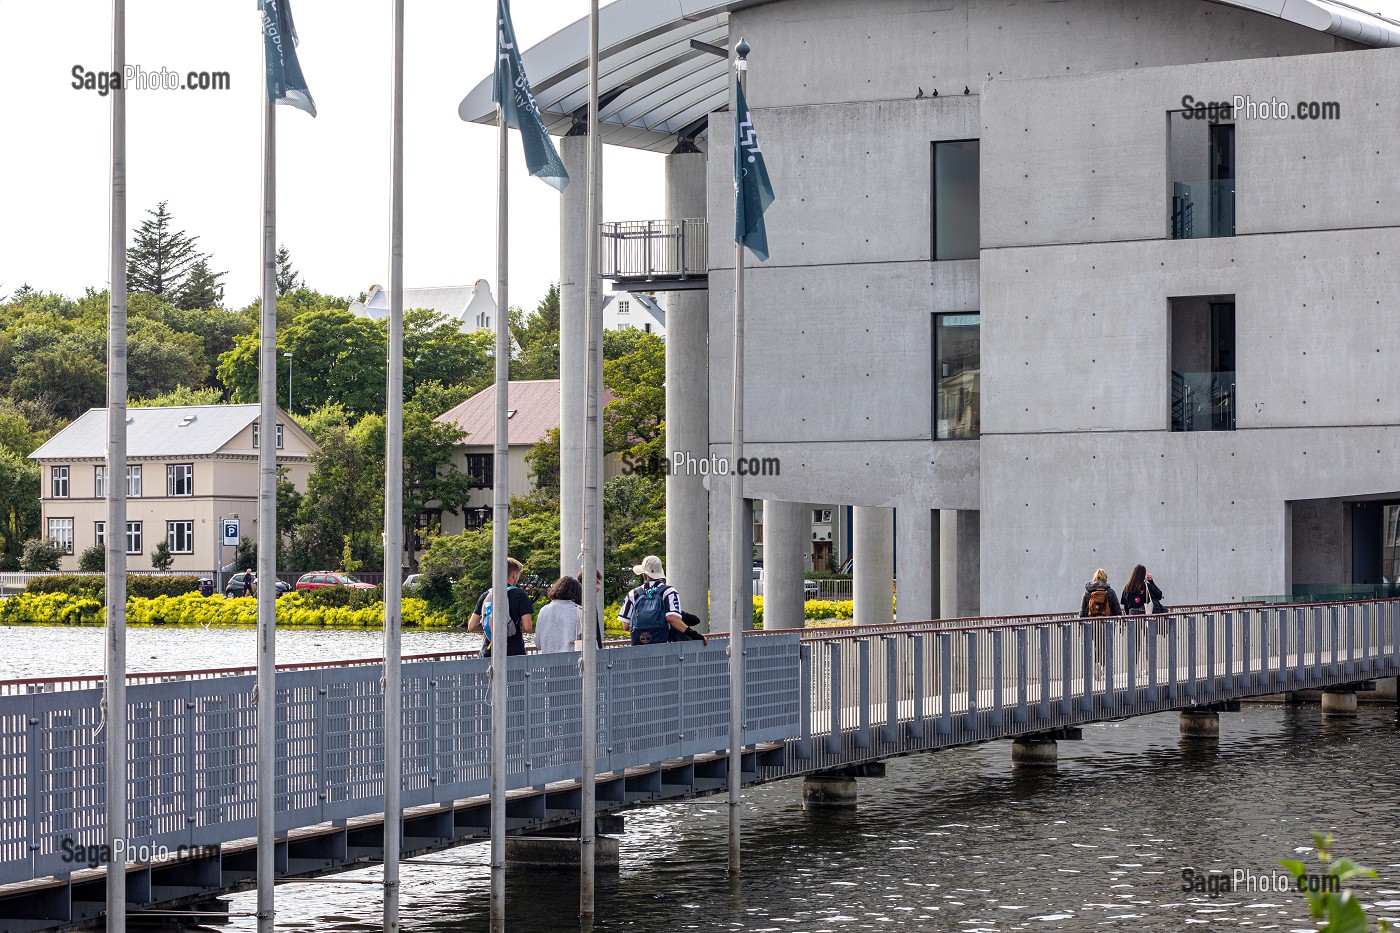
{"type": "Point", "coordinates": [810, 589]}
{"type": "Point", "coordinates": [235, 587]}
{"type": "Point", "coordinates": [321, 579]}
{"type": "Point", "coordinates": [411, 581]}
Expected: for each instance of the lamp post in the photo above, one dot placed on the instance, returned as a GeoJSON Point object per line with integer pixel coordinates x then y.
{"type": "Point", "coordinates": [289, 382]}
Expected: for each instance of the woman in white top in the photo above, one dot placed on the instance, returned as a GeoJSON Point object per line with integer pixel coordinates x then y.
{"type": "Point", "coordinates": [560, 623]}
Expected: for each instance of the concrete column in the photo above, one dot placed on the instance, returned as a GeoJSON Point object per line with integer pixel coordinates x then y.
{"type": "Point", "coordinates": [917, 564]}
{"type": "Point", "coordinates": [687, 402]}
{"type": "Point", "coordinates": [824, 792]}
{"type": "Point", "coordinates": [873, 586]}
{"type": "Point", "coordinates": [573, 349]}
{"type": "Point", "coordinates": [1340, 704]}
{"type": "Point", "coordinates": [720, 540]}
{"type": "Point", "coordinates": [1200, 724]}
{"type": "Point", "coordinates": [787, 533]}
{"type": "Point", "coordinates": [1034, 752]}
{"type": "Point", "coordinates": [960, 557]}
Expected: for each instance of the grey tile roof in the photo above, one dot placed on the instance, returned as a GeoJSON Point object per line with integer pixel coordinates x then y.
{"type": "Point", "coordinates": [153, 432]}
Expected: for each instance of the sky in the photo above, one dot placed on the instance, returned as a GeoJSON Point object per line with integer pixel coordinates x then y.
{"type": "Point", "coordinates": [201, 150]}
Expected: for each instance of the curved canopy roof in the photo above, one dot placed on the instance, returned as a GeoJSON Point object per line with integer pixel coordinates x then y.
{"type": "Point", "coordinates": [654, 84]}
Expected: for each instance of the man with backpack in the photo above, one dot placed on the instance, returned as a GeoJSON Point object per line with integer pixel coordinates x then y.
{"type": "Point", "coordinates": [653, 609]}
{"type": "Point", "coordinates": [520, 609]}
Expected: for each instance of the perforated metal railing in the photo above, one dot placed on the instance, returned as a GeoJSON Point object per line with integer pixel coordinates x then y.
{"type": "Point", "coordinates": [191, 743]}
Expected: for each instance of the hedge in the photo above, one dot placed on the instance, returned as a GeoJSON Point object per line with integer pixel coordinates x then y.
{"type": "Point", "coordinates": [145, 585]}
{"type": "Point", "coordinates": [293, 611]}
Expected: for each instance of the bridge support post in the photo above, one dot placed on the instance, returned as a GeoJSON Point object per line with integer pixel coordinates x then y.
{"type": "Point", "coordinates": [1034, 751]}
{"type": "Point", "coordinates": [828, 792]}
{"type": "Point", "coordinates": [1200, 724]}
{"type": "Point", "coordinates": [560, 852]}
{"type": "Point", "coordinates": [872, 589]}
{"type": "Point", "coordinates": [1341, 703]}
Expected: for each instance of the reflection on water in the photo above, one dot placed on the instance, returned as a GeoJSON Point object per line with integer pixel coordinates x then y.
{"type": "Point", "coordinates": [958, 840]}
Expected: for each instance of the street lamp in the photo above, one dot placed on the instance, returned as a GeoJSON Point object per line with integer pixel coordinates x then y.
{"type": "Point", "coordinates": [289, 382]}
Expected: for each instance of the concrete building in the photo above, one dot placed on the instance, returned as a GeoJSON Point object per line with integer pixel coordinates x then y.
{"type": "Point", "coordinates": [187, 467]}
{"type": "Point", "coordinates": [470, 304]}
{"type": "Point", "coordinates": [1114, 326]}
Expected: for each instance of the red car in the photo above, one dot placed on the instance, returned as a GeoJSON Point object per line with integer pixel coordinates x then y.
{"type": "Point", "coordinates": [324, 578]}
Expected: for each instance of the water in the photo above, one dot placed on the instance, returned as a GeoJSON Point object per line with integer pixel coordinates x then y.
{"type": "Point", "coordinates": [955, 840]}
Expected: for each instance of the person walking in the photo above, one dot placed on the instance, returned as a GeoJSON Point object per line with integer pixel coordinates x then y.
{"type": "Point", "coordinates": [1140, 594]}
{"type": "Point", "coordinates": [519, 612]}
{"type": "Point", "coordinates": [560, 624]}
{"type": "Point", "coordinates": [652, 609]}
{"type": "Point", "coordinates": [1099, 602]}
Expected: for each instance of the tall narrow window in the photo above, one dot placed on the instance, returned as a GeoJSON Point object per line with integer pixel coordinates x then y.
{"type": "Point", "coordinates": [58, 488]}
{"type": "Point", "coordinates": [61, 530]}
{"type": "Point", "coordinates": [99, 482]}
{"type": "Point", "coordinates": [99, 534]}
{"type": "Point", "coordinates": [957, 376]}
{"type": "Point", "coordinates": [256, 435]}
{"type": "Point", "coordinates": [179, 479]}
{"type": "Point", "coordinates": [133, 481]}
{"type": "Point", "coordinates": [179, 536]}
{"type": "Point", "coordinates": [957, 231]}
{"type": "Point", "coordinates": [133, 537]}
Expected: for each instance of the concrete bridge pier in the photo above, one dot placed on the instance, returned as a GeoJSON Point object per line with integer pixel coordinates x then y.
{"type": "Point", "coordinates": [1035, 751]}
{"type": "Point", "coordinates": [1202, 725]}
{"type": "Point", "coordinates": [1339, 703]}
{"type": "Point", "coordinates": [560, 849]}
{"type": "Point", "coordinates": [836, 790]}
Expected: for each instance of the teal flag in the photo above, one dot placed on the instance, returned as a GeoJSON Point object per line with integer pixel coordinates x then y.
{"type": "Point", "coordinates": [512, 91]}
{"type": "Point", "coordinates": [752, 190]}
{"type": "Point", "coordinates": [285, 84]}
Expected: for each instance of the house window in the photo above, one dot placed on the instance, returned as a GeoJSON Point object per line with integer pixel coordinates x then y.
{"type": "Point", "coordinates": [179, 480]}
{"type": "Point", "coordinates": [1202, 348]}
{"type": "Point", "coordinates": [956, 200]}
{"type": "Point", "coordinates": [58, 487]}
{"type": "Point", "coordinates": [482, 470]}
{"type": "Point", "coordinates": [99, 482]}
{"type": "Point", "coordinates": [133, 481]}
{"type": "Point", "coordinates": [957, 376]}
{"type": "Point", "coordinates": [61, 530]}
{"type": "Point", "coordinates": [180, 537]}
{"type": "Point", "coordinates": [647, 327]}
{"type": "Point", "coordinates": [624, 307]}
{"type": "Point", "coordinates": [99, 533]}
{"type": "Point", "coordinates": [477, 518]}
{"type": "Point", "coordinates": [279, 435]}
{"type": "Point", "coordinates": [624, 326]}
{"type": "Point", "coordinates": [821, 516]}
{"type": "Point", "coordinates": [133, 537]}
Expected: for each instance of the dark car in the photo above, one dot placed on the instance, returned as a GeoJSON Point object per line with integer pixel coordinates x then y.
{"type": "Point", "coordinates": [235, 587]}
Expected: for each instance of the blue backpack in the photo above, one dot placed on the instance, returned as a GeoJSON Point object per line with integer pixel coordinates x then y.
{"type": "Point", "coordinates": [486, 616]}
{"type": "Point", "coordinates": [649, 625]}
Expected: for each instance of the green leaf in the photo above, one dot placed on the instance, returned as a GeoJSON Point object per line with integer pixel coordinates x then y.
{"type": "Point", "coordinates": [1293, 867]}
{"type": "Point", "coordinates": [1345, 869]}
{"type": "Point", "coordinates": [1344, 915]}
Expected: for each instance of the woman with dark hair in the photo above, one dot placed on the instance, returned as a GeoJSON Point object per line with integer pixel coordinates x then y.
{"type": "Point", "coordinates": [560, 622]}
{"type": "Point", "coordinates": [1140, 593]}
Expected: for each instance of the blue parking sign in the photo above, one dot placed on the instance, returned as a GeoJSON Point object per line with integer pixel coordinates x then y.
{"type": "Point", "coordinates": [231, 531]}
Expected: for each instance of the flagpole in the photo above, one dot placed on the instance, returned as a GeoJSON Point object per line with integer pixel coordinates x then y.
{"type": "Point", "coordinates": [114, 688]}
{"type": "Point", "coordinates": [500, 595]}
{"type": "Point", "coordinates": [266, 689]}
{"type": "Point", "coordinates": [393, 506]}
{"type": "Point", "coordinates": [588, 662]}
{"type": "Point", "coordinates": [739, 573]}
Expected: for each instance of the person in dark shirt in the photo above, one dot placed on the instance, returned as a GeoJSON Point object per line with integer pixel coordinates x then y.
{"type": "Point", "coordinates": [521, 612]}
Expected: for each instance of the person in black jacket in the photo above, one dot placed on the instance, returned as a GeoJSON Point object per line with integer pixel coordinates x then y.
{"type": "Point", "coordinates": [1140, 593]}
{"type": "Point", "coordinates": [691, 632]}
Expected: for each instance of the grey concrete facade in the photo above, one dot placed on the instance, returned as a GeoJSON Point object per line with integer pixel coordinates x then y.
{"type": "Point", "coordinates": [1077, 466]}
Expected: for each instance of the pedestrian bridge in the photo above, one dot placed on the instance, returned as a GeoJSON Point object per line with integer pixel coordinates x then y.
{"type": "Point", "coordinates": [813, 703]}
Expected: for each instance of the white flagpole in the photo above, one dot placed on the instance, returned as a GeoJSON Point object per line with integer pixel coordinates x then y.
{"type": "Point", "coordinates": [739, 573]}
{"type": "Point", "coordinates": [393, 507]}
{"type": "Point", "coordinates": [266, 794]}
{"type": "Point", "coordinates": [588, 663]}
{"type": "Point", "coordinates": [500, 597]}
{"type": "Point", "coordinates": [114, 688]}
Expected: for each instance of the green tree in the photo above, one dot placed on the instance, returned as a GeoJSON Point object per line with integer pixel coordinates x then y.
{"type": "Point", "coordinates": [201, 288]}
{"type": "Point", "coordinates": [287, 278]}
{"type": "Point", "coordinates": [63, 378]}
{"type": "Point", "coordinates": [634, 525]}
{"type": "Point", "coordinates": [544, 468]}
{"type": "Point", "coordinates": [93, 559]}
{"type": "Point", "coordinates": [339, 357]}
{"type": "Point", "coordinates": [466, 558]}
{"type": "Point", "coordinates": [180, 395]}
{"type": "Point", "coordinates": [40, 555]}
{"type": "Point", "coordinates": [19, 506]}
{"type": "Point", "coordinates": [160, 258]}
{"type": "Point", "coordinates": [634, 422]}
{"type": "Point", "coordinates": [436, 349]}
{"type": "Point", "coordinates": [538, 339]}
{"type": "Point", "coordinates": [161, 558]}
{"type": "Point", "coordinates": [160, 360]}
{"type": "Point", "coordinates": [344, 499]}
{"type": "Point", "coordinates": [430, 467]}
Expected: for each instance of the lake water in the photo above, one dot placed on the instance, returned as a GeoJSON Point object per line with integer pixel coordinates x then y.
{"type": "Point", "coordinates": [955, 840]}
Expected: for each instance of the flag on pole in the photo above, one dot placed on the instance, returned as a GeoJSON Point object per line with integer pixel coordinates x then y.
{"type": "Point", "coordinates": [753, 192]}
{"type": "Point", "coordinates": [285, 84]}
{"type": "Point", "coordinates": [512, 91]}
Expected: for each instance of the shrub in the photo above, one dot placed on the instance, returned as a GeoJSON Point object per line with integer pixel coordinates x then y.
{"type": "Point", "coordinates": [40, 555]}
{"type": "Point", "coordinates": [208, 611]}
{"type": "Point", "coordinates": [161, 558]}
{"type": "Point", "coordinates": [343, 597]}
{"type": "Point", "coordinates": [51, 609]}
{"type": "Point", "coordinates": [93, 559]}
{"type": "Point", "coordinates": [95, 585]}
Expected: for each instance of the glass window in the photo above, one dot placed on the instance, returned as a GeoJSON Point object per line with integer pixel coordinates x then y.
{"type": "Point", "coordinates": [256, 433]}
{"type": "Point", "coordinates": [957, 375]}
{"type": "Point", "coordinates": [99, 533]}
{"type": "Point", "coordinates": [133, 537]}
{"type": "Point", "coordinates": [61, 530]}
{"type": "Point", "coordinates": [624, 307]}
{"type": "Point", "coordinates": [481, 468]}
{"type": "Point", "coordinates": [180, 537]}
{"type": "Point", "coordinates": [99, 482]}
{"type": "Point", "coordinates": [179, 480]}
{"type": "Point", "coordinates": [956, 200]}
{"type": "Point", "coordinates": [58, 488]}
{"type": "Point", "coordinates": [133, 483]}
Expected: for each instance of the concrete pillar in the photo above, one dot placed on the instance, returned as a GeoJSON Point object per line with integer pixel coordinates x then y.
{"type": "Point", "coordinates": [573, 349]}
{"type": "Point", "coordinates": [687, 402]}
{"type": "Point", "coordinates": [824, 792]}
{"type": "Point", "coordinates": [787, 533]}
{"type": "Point", "coordinates": [720, 541]}
{"type": "Point", "coordinates": [549, 852]}
{"type": "Point", "coordinates": [917, 564]}
{"type": "Point", "coordinates": [1339, 704]}
{"type": "Point", "coordinates": [960, 557]}
{"type": "Point", "coordinates": [1200, 724]}
{"type": "Point", "coordinates": [873, 586]}
{"type": "Point", "coordinates": [1034, 752]}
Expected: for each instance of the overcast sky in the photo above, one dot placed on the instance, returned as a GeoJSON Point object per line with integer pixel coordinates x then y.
{"type": "Point", "coordinates": [201, 150]}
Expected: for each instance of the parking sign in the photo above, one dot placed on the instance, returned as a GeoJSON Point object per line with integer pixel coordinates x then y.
{"type": "Point", "coordinates": [231, 531]}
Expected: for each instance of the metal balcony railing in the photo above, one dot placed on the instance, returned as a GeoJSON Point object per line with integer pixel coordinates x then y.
{"type": "Point", "coordinates": [658, 253]}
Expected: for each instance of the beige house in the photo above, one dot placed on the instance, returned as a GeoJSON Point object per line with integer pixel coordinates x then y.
{"type": "Point", "coordinates": [187, 467]}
